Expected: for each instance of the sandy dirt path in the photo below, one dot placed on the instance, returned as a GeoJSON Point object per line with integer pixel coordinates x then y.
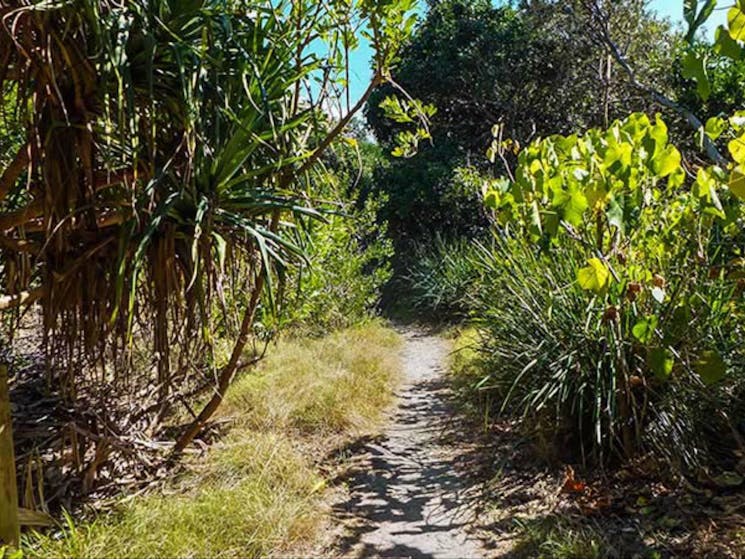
{"type": "Point", "coordinates": [406, 498]}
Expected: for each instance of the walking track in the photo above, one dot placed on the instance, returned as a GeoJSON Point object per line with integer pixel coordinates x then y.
{"type": "Point", "coordinates": [406, 499]}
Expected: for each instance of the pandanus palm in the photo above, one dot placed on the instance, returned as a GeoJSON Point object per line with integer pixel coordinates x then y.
{"type": "Point", "coordinates": [166, 147]}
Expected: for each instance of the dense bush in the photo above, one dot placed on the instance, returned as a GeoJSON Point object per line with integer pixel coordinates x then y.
{"type": "Point", "coordinates": [348, 254]}
{"type": "Point", "coordinates": [609, 308]}
{"type": "Point", "coordinates": [348, 266]}
{"type": "Point", "coordinates": [560, 360]}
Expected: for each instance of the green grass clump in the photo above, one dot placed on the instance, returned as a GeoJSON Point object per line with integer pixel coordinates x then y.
{"type": "Point", "coordinates": [467, 368]}
{"type": "Point", "coordinates": [333, 384]}
{"type": "Point", "coordinates": [551, 538]}
{"type": "Point", "coordinates": [440, 277]}
{"type": "Point", "coordinates": [258, 491]}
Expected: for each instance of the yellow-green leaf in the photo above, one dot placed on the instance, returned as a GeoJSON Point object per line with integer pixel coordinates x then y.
{"type": "Point", "coordinates": [737, 182]}
{"type": "Point", "coordinates": [715, 126]}
{"type": "Point", "coordinates": [737, 149]}
{"type": "Point", "coordinates": [736, 21]}
{"type": "Point", "coordinates": [593, 277]}
{"type": "Point", "coordinates": [667, 162]}
{"type": "Point", "coordinates": [573, 202]}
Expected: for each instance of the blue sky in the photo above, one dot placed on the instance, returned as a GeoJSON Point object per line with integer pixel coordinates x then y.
{"type": "Point", "coordinates": [672, 9]}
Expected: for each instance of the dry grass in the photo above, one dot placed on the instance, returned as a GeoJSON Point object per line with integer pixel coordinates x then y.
{"type": "Point", "coordinates": [335, 384]}
{"type": "Point", "coordinates": [258, 492]}
{"type": "Point", "coordinates": [467, 371]}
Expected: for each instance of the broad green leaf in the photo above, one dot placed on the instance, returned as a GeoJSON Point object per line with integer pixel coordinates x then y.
{"type": "Point", "coordinates": [660, 361]}
{"type": "Point", "coordinates": [737, 149]}
{"type": "Point", "coordinates": [573, 204]}
{"type": "Point", "coordinates": [703, 184]}
{"type": "Point", "coordinates": [593, 277]}
{"type": "Point", "coordinates": [725, 45]}
{"type": "Point", "coordinates": [710, 367]}
{"type": "Point", "coordinates": [658, 132]}
{"type": "Point", "coordinates": [644, 329]}
{"type": "Point", "coordinates": [736, 23]}
{"type": "Point", "coordinates": [737, 182]}
{"type": "Point", "coordinates": [667, 162]}
{"type": "Point", "coordinates": [618, 153]}
{"type": "Point", "coordinates": [715, 126]}
{"type": "Point", "coordinates": [694, 68]}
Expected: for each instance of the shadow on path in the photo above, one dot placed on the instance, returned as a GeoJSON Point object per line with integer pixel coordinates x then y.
{"type": "Point", "coordinates": [406, 496]}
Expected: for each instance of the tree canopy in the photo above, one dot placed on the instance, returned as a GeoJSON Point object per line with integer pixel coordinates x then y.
{"type": "Point", "coordinates": [536, 69]}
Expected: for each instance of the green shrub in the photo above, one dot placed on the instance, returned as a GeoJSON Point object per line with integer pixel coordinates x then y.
{"type": "Point", "coordinates": [440, 277]}
{"type": "Point", "coordinates": [610, 313]}
{"type": "Point", "coordinates": [348, 266]}
{"type": "Point", "coordinates": [348, 254]}
{"type": "Point", "coordinates": [556, 358]}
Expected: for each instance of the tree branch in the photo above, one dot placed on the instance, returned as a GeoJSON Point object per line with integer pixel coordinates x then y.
{"type": "Point", "coordinates": [604, 32]}
{"type": "Point", "coordinates": [338, 129]}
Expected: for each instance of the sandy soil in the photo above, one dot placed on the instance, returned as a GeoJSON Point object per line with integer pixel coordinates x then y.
{"type": "Point", "coordinates": [405, 497]}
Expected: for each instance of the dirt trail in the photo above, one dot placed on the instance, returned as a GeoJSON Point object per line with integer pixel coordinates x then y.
{"type": "Point", "coordinates": [406, 498]}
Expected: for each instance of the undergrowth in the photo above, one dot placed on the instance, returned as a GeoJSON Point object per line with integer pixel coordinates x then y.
{"type": "Point", "coordinates": [552, 538]}
{"type": "Point", "coordinates": [258, 491]}
{"type": "Point", "coordinates": [466, 367]}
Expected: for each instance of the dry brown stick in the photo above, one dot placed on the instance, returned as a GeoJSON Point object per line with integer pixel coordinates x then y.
{"type": "Point", "coordinates": [228, 371]}
{"type": "Point", "coordinates": [338, 129]}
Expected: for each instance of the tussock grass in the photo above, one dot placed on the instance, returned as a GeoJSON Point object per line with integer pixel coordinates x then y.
{"type": "Point", "coordinates": [552, 538]}
{"type": "Point", "coordinates": [329, 385]}
{"type": "Point", "coordinates": [258, 491]}
{"type": "Point", "coordinates": [467, 371]}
